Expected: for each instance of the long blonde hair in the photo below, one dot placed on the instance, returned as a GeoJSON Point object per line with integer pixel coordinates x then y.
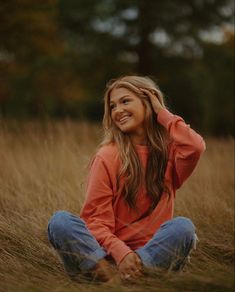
{"type": "Point", "coordinates": [157, 139]}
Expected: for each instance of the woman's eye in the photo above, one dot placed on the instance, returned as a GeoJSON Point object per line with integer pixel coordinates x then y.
{"type": "Point", "coordinates": [112, 106]}
{"type": "Point", "coordinates": [125, 101]}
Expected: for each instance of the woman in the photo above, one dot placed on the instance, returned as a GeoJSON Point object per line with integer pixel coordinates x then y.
{"type": "Point", "coordinates": [146, 155]}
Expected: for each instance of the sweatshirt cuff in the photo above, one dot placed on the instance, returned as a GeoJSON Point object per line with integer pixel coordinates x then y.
{"type": "Point", "coordinates": [164, 116]}
{"type": "Point", "coordinates": [119, 251]}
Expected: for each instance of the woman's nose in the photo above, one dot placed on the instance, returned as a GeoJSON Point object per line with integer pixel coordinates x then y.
{"type": "Point", "coordinates": [119, 109]}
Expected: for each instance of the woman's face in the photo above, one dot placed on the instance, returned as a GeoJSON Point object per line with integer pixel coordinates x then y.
{"type": "Point", "coordinates": [127, 112]}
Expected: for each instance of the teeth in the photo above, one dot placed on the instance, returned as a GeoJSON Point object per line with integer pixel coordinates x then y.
{"type": "Point", "coordinates": [123, 119]}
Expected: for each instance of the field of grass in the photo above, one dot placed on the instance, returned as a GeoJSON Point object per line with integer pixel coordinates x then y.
{"type": "Point", "coordinates": [43, 169]}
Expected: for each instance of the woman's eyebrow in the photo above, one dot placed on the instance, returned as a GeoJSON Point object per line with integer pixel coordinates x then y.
{"type": "Point", "coordinates": [120, 99]}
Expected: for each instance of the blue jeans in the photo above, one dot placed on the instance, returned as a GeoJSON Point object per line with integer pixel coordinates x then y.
{"type": "Point", "coordinates": [80, 251]}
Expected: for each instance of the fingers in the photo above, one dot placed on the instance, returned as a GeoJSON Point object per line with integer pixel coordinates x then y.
{"type": "Point", "coordinates": [131, 274]}
{"type": "Point", "coordinates": [149, 92]}
{"type": "Point", "coordinates": [130, 267]}
{"type": "Point", "coordinates": [138, 260]}
{"type": "Point", "coordinates": [155, 99]}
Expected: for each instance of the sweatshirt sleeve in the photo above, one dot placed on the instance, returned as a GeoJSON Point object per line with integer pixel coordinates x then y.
{"type": "Point", "coordinates": [98, 213]}
{"type": "Point", "coordinates": [187, 146]}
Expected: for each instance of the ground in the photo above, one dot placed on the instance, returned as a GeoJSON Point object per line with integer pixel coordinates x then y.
{"type": "Point", "coordinates": [43, 169]}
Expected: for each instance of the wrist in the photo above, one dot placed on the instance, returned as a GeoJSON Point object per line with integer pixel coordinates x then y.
{"type": "Point", "coordinates": [124, 257]}
{"type": "Point", "coordinates": [158, 109]}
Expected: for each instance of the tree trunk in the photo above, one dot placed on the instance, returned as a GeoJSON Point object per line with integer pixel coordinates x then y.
{"type": "Point", "coordinates": [145, 47]}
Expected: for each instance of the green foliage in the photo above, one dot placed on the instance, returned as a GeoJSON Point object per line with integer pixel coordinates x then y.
{"type": "Point", "coordinates": [216, 79]}
{"type": "Point", "coordinates": [56, 56]}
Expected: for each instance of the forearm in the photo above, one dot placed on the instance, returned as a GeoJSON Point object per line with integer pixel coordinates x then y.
{"type": "Point", "coordinates": [110, 242]}
{"type": "Point", "coordinates": [186, 146]}
{"type": "Point", "coordinates": [179, 131]}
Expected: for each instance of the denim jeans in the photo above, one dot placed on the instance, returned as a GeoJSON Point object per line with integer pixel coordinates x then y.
{"type": "Point", "coordinates": [80, 251]}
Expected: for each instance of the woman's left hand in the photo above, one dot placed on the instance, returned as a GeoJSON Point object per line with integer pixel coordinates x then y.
{"type": "Point", "coordinates": [130, 267]}
{"type": "Point", "coordinates": [157, 106]}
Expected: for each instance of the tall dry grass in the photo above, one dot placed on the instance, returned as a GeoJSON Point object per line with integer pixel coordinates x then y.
{"type": "Point", "coordinates": [43, 169]}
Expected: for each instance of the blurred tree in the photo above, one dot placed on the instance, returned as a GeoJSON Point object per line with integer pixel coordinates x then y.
{"type": "Point", "coordinates": [165, 39]}
{"type": "Point", "coordinates": [56, 55]}
{"type": "Point", "coordinates": [214, 82]}
{"type": "Point", "coordinates": [141, 31]}
{"type": "Point", "coordinates": [34, 74]}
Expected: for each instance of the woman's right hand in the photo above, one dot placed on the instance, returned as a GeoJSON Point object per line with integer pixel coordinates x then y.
{"type": "Point", "coordinates": [130, 267]}
{"type": "Point", "coordinates": [154, 99]}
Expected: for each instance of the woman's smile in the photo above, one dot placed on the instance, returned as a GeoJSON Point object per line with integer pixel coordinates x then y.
{"type": "Point", "coordinates": [124, 118]}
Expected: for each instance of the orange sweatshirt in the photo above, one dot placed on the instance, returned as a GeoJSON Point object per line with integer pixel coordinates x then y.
{"type": "Point", "coordinates": [117, 228]}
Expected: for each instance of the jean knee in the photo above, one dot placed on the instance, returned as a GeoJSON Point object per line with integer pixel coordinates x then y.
{"type": "Point", "coordinates": [185, 226]}
{"type": "Point", "coordinates": [59, 224]}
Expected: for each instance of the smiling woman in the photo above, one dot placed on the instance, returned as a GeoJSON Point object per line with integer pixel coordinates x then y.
{"type": "Point", "coordinates": [146, 155]}
{"type": "Point", "coordinates": [128, 114]}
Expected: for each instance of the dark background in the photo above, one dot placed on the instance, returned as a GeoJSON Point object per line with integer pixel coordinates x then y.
{"type": "Point", "coordinates": [56, 57]}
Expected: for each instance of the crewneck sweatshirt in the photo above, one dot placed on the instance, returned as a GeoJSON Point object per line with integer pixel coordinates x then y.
{"type": "Point", "coordinates": [118, 228]}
